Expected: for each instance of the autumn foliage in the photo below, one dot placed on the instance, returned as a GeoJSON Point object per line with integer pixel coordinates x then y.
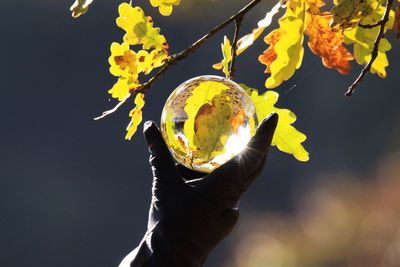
{"type": "Point", "coordinates": [337, 31]}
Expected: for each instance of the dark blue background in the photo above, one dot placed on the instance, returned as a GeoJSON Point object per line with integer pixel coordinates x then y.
{"type": "Point", "coordinates": [73, 192]}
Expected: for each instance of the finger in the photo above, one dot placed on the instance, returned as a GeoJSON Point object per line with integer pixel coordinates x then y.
{"type": "Point", "coordinates": [261, 141]}
{"type": "Point", "coordinates": [250, 159]}
{"type": "Point", "coordinates": [234, 177]}
{"type": "Point", "coordinates": [187, 173]}
{"type": "Point", "coordinates": [161, 161]}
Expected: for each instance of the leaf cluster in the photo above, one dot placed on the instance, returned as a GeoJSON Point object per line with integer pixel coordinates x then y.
{"type": "Point", "coordinates": [350, 30]}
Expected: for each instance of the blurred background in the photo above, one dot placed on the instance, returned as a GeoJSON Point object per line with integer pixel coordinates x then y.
{"type": "Point", "coordinates": [73, 192]}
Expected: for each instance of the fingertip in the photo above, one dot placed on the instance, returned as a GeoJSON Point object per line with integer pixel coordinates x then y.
{"type": "Point", "coordinates": [270, 121]}
{"type": "Point", "coordinates": [267, 127]}
{"type": "Point", "coordinates": [151, 132]}
{"type": "Point", "coordinates": [147, 126]}
{"type": "Point", "coordinates": [265, 132]}
{"type": "Point", "coordinates": [247, 165]}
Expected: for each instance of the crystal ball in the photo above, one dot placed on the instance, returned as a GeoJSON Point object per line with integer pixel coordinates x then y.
{"type": "Point", "coordinates": [206, 121]}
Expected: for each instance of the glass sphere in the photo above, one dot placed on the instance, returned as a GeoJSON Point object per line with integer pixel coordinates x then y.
{"type": "Point", "coordinates": [206, 121]}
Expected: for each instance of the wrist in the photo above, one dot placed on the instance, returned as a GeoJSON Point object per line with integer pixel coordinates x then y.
{"type": "Point", "coordinates": [155, 251]}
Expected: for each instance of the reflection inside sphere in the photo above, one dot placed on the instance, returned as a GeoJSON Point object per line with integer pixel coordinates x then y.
{"type": "Point", "coordinates": [206, 121]}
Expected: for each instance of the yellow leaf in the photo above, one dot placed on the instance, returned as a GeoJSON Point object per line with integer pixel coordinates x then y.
{"type": "Point", "coordinates": [248, 40]}
{"type": "Point", "coordinates": [123, 61]}
{"type": "Point", "coordinates": [165, 6]}
{"type": "Point", "coordinates": [136, 116]}
{"type": "Point", "coordinates": [139, 28]}
{"type": "Point", "coordinates": [269, 55]}
{"type": "Point", "coordinates": [286, 138]}
{"type": "Point", "coordinates": [363, 39]}
{"type": "Point", "coordinates": [211, 125]}
{"type": "Point", "coordinates": [289, 47]}
{"type": "Point", "coordinates": [80, 7]}
{"type": "Point", "coordinates": [124, 65]}
{"type": "Point", "coordinates": [149, 61]}
{"type": "Point", "coordinates": [127, 64]}
{"type": "Point", "coordinates": [227, 57]}
{"type": "Point", "coordinates": [202, 94]}
{"type": "Point", "coordinates": [123, 87]}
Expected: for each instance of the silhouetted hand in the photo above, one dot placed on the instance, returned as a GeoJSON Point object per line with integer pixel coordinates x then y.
{"type": "Point", "coordinates": [192, 212]}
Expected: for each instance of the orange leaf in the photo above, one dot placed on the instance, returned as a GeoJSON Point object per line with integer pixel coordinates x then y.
{"type": "Point", "coordinates": [270, 55]}
{"type": "Point", "coordinates": [328, 44]}
{"type": "Point", "coordinates": [315, 5]}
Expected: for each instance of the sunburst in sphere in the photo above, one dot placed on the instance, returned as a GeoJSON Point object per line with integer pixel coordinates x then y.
{"type": "Point", "coordinates": [206, 121]}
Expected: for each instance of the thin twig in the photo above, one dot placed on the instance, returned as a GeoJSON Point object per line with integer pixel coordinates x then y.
{"type": "Point", "coordinates": [370, 26]}
{"type": "Point", "coordinates": [108, 112]}
{"type": "Point", "coordinates": [174, 59]}
{"type": "Point", "coordinates": [375, 50]}
{"type": "Point", "coordinates": [238, 24]}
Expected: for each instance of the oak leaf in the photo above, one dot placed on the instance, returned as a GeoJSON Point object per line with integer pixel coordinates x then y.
{"type": "Point", "coordinates": [139, 28]}
{"type": "Point", "coordinates": [123, 87]}
{"type": "Point", "coordinates": [212, 127]}
{"type": "Point", "coordinates": [165, 6]}
{"type": "Point", "coordinates": [328, 44]}
{"type": "Point", "coordinates": [286, 138]}
{"type": "Point", "coordinates": [226, 49]}
{"type": "Point", "coordinates": [136, 116]}
{"type": "Point", "coordinates": [270, 55]}
{"type": "Point", "coordinates": [248, 40]}
{"type": "Point", "coordinates": [202, 94]}
{"type": "Point", "coordinates": [149, 61]}
{"type": "Point", "coordinates": [288, 47]}
{"type": "Point", "coordinates": [123, 61]}
{"type": "Point", "coordinates": [345, 12]}
{"type": "Point", "coordinates": [364, 39]}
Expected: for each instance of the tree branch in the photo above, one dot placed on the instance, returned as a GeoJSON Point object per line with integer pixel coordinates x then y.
{"type": "Point", "coordinates": [238, 24]}
{"type": "Point", "coordinates": [174, 59]}
{"type": "Point", "coordinates": [370, 26]}
{"type": "Point", "coordinates": [374, 53]}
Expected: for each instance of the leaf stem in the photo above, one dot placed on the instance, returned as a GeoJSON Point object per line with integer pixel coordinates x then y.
{"type": "Point", "coordinates": [238, 24]}
{"type": "Point", "coordinates": [174, 59]}
{"type": "Point", "coordinates": [374, 53]}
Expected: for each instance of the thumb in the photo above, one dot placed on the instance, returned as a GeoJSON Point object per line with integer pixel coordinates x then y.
{"type": "Point", "coordinates": [229, 181]}
{"type": "Point", "coordinates": [253, 156]}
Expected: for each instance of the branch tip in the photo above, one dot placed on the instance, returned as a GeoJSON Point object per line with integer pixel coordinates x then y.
{"type": "Point", "coordinates": [374, 54]}
{"type": "Point", "coordinates": [174, 59]}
